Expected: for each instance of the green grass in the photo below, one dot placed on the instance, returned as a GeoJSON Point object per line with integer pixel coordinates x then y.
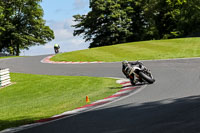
{"type": "Point", "coordinates": [9, 57]}
{"type": "Point", "coordinates": [145, 50]}
{"type": "Point", "coordinates": [33, 97]}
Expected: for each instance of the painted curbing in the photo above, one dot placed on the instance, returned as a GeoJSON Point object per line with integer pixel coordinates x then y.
{"type": "Point", "coordinates": [47, 60]}
{"type": "Point", "coordinates": [126, 89]}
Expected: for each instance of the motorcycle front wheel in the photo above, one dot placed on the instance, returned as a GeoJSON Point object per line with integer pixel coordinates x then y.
{"type": "Point", "coordinates": [146, 78]}
{"type": "Point", "coordinates": [132, 79]}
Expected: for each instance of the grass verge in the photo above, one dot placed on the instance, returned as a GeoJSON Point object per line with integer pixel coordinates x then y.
{"type": "Point", "coordinates": [34, 97]}
{"type": "Point", "coordinates": [4, 57]}
{"type": "Point", "coordinates": [145, 50]}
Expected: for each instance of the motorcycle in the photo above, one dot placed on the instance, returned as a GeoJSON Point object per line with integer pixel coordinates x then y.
{"type": "Point", "coordinates": [56, 50]}
{"type": "Point", "coordinates": [137, 73]}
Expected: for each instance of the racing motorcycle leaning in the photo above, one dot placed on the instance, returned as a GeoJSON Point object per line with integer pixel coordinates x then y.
{"type": "Point", "coordinates": [137, 72]}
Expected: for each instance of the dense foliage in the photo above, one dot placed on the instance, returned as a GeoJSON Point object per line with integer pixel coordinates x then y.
{"type": "Point", "coordinates": [22, 25]}
{"type": "Point", "coordinates": [116, 21]}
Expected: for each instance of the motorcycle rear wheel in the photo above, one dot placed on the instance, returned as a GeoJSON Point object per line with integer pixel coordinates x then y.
{"type": "Point", "coordinates": [146, 78]}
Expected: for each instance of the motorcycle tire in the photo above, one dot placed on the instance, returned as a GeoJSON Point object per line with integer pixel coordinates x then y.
{"type": "Point", "coordinates": [132, 79]}
{"type": "Point", "coordinates": [146, 78]}
{"type": "Point", "coordinates": [132, 82]}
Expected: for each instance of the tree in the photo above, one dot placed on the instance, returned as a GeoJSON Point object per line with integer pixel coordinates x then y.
{"type": "Point", "coordinates": [2, 29]}
{"type": "Point", "coordinates": [116, 21]}
{"type": "Point", "coordinates": [105, 24]}
{"type": "Point", "coordinates": [134, 10]}
{"type": "Point", "coordinates": [189, 17]}
{"type": "Point", "coordinates": [24, 25]}
{"type": "Point", "coordinates": [171, 18]}
{"type": "Point", "coordinates": [1, 18]}
{"type": "Point", "coordinates": [158, 19]}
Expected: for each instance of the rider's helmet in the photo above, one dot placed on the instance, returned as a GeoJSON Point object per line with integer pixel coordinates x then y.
{"type": "Point", "coordinates": [56, 46]}
{"type": "Point", "coordinates": [125, 62]}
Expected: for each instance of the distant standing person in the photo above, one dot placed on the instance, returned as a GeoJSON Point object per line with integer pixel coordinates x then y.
{"type": "Point", "coordinates": [56, 48]}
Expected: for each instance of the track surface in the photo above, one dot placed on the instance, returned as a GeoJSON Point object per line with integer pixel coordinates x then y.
{"type": "Point", "coordinates": [171, 104]}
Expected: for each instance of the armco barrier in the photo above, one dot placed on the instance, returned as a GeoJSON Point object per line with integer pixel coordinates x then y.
{"type": "Point", "coordinates": [4, 77]}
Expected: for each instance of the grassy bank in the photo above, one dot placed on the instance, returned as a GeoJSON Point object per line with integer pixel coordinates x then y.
{"type": "Point", "coordinates": [145, 50]}
{"type": "Point", "coordinates": [4, 57]}
{"type": "Point", "coordinates": [33, 97]}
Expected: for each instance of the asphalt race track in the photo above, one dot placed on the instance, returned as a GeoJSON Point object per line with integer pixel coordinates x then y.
{"type": "Point", "coordinates": [170, 105]}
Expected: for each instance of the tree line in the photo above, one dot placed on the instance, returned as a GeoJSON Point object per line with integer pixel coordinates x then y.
{"type": "Point", "coordinates": [22, 26]}
{"type": "Point", "coordinates": [117, 21]}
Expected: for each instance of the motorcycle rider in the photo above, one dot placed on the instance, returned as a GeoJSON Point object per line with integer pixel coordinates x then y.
{"type": "Point", "coordinates": [137, 72]}
{"type": "Point", "coordinates": [127, 66]}
{"type": "Point", "coordinates": [56, 48]}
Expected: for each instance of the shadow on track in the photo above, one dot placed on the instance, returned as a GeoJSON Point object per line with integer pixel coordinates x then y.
{"type": "Point", "coordinates": [14, 123]}
{"type": "Point", "coordinates": [170, 115]}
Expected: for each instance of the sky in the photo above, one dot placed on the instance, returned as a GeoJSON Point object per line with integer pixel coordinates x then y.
{"type": "Point", "coordinates": [58, 15]}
